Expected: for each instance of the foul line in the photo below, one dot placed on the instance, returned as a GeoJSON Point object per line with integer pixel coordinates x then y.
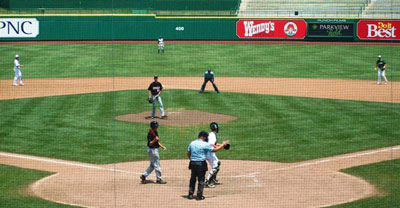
{"type": "Point", "coordinates": [336, 159]}
{"type": "Point", "coordinates": [64, 163]}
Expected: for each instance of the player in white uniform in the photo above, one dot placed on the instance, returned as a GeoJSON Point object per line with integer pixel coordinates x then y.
{"type": "Point", "coordinates": [160, 45]}
{"type": "Point", "coordinates": [212, 158]}
{"type": "Point", "coordinates": [17, 71]}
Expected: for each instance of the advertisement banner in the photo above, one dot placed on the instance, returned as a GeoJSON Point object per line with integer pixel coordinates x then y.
{"type": "Point", "coordinates": [378, 29]}
{"type": "Point", "coordinates": [19, 27]}
{"type": "Point", "coordinates": [271, 29]}
{"type": "Point", "coordinates": [333, 30]}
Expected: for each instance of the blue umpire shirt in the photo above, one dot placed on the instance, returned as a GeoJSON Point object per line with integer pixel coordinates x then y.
{"type": "Point", "coordinates": [198, 150]}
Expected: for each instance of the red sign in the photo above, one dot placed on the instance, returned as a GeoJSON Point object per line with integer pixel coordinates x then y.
{"type": "Point", "coordinates": [378, 29]}
{"type": "Point", "coordinates": [284, 29]}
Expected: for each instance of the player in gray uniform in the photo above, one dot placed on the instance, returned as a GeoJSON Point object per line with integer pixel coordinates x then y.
{"type": "Point", "coordinates": [155, 90]}
{"type": "Point", "coordinates": [160, 43]}
{"type": "Point", "coordinates": [153, 143]}
{"type": "Point", "coordinates": [17, 72]}
{"type": "Point", "coordinates": [208, 76]}
{"type": "Point", "coordinates": [381, 65]}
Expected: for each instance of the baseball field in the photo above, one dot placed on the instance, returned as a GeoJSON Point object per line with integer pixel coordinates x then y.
{"type": "Point", "coordinates": [308, 124]}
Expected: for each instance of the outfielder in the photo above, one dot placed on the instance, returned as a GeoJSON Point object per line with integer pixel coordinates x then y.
{"type": "Point", "coordinates": [17, 71]}
{"type": "Point", "coordinates": [155, 90]}
{"type": "Point", "coordinates": [212, 158]}
{"type": "Point", "coordinates": [153, 143]}
{"type": "Point", "coordinates": [160, 42]}
{"type": "Point", "coordinates": [381, 65]}
{"type": "Point", "coordinates": [208, 76]}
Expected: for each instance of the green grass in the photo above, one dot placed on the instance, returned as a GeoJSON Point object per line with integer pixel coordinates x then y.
{"type": "Point", "coordinates": [14, 184]}
{"type": "Point", "coordinates": [385, 176]}
{"type": "Point", "coordinates": [237, 60]}
{"type": "Point", "coordinates": [273, 128]}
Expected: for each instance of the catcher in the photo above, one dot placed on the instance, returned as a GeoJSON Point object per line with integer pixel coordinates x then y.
{"type": "Point", "coordinates": [212, 158]}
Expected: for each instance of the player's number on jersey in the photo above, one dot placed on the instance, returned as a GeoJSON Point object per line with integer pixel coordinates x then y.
{"type": "Point", "coordinates": [180, 28]}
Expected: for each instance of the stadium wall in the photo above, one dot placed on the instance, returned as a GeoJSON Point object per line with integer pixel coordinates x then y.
{"type": "Point", "coordinates": [148, 27]}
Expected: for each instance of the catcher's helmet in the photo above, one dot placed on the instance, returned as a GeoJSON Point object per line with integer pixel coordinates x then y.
{"type": "Point", "coordinates": [214, 126]}
{"type": "Point", "coordinates": [154, 124]}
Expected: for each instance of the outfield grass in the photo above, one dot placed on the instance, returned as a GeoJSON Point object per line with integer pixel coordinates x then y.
{"type": "Point", "coordinates": [385, 176]}
{"type": "Point", "coordinates": [271, 128]}
{"type": "Point", "coordinates": [237, 60]}
{"type": "Point", "coordinates": [14, 184]}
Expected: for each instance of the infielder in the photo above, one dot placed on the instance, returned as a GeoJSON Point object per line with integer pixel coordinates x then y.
{"type": "Point", "coordinates": [155, 90]}
{"type": "Point", "coordinates": [212, 158]}
{"type": "Point", "coordinates": [208, 76]}
{"type": "Point", "coordinates": [381, 65]}
{"type": "Point", "coordinates": [17, 72]}
{"type": "Point", "coordinates": [160, 42]}
{"type": "Point", "coordinates": [153, 143]}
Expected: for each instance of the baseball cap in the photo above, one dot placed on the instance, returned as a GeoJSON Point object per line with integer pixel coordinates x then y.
{"type": "Point", "coordinates": [379, 56]}
{"type": "Point", "coordinates": [17, 56]}
{"type": "Point", "coordinates": [203, 134]}
{"type": "Point", "coordinates": [155, 76]}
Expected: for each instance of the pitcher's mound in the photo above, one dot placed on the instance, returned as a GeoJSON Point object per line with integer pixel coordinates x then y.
{"type": "Point", "coordinates": [178, 118]}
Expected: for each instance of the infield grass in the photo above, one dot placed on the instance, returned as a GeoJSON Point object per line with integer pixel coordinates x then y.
{"type": "Point", "coordinates": [14, 184]}
{"type": "Point", "coordinates": [268, 128]}
{"type": "Point", "coordinates": [385, 176]}
{"type": "Point", "coordinates": [233, 60]}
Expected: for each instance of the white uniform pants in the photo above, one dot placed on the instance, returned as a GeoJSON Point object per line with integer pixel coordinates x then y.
{"type": "Point", "coordinates": [381, 73]}
{"type": "Point", "coordinates": [213, 162]}
{"type": "Point", "coordinates": [17, 76]}
{"type": "Point", "coordinates": [158, 99]}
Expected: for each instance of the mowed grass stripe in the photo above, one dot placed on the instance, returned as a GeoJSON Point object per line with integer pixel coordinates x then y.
{"type": "Point", "coordinates": [269, 128]}
{"type": "Point", "coordinates": [232, 60]}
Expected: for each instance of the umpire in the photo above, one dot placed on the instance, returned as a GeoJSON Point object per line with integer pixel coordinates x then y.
{"type": "Point", "coordinates": [197, 152]}
{"type": "Point", "coordinates": [208, 76]}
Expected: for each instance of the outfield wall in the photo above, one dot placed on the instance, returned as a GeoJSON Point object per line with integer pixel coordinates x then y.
{"type": "Point", "coordinates": [149, 27]}
{"type": "Point", "coordinates": [124, 4]}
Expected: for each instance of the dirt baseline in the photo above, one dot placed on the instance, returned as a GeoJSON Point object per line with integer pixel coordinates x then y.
{"type": "Point", "coordinates": [359, 90]}
{"type": "Point", "coordinates": [314, 183]}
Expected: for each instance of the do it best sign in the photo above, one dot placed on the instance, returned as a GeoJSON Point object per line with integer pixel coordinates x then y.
{"type": "Point", "coordinates": [378, 29]}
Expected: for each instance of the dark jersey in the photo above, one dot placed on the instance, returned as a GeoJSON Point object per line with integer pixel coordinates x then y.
{"type": "Point", "coordinates": [150, 138]}
{"type": "Point", "coordinates": [380, 63]}
{"type": "Point", "coordinates": [155, 88]}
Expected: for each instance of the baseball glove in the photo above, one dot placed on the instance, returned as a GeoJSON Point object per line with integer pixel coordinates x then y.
{"type": "Point", "coordinates": [227, 147]}
{"type": "Point", "coordinates": [150, 100]}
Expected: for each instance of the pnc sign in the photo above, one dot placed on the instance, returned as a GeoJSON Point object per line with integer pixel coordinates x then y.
{"type": "Point", "coordinates": [378, 29]}
{"type": "Point", "coordinates": [19, 27]}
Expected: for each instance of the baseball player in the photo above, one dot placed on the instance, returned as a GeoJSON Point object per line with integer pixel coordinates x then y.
{"type": "Point", "coordinates": [197, 151]}
{"type": "Point", "coordinates": [209, 76]}
{"type": "Point", "coordinates": [153, 143]}
{"type": "Point", "coordinates": [17, 71]}
{"type": "Point", "coordinates": [160, 42]}
{"type": "Point", "coordinates": [381, 66]}
{"type": "Point", "coordinates": [212, 157]}
{"type": "Point", "coordinates": [155, 90]}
